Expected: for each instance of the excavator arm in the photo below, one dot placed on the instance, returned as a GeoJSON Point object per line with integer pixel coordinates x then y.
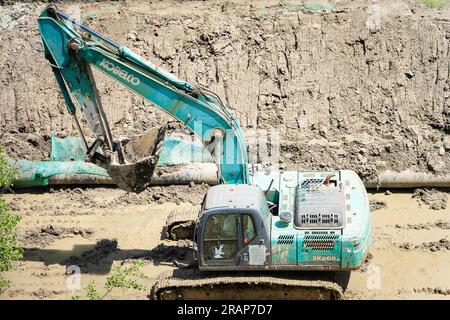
{"type": "Point", "coordinates": [73, 49]}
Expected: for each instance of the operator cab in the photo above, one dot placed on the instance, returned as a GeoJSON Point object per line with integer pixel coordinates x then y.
{"type": "Point", "coordinates": [233, 227]}
{"type": "Point", "coordinates": [302, 221]}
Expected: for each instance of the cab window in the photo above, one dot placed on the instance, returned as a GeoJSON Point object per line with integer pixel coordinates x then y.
{"type": "Point", "coordinates": [221, 237]}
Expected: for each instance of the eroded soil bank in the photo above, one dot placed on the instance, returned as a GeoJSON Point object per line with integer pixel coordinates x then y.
{"type": "Point", "coordinates": [363, 87]}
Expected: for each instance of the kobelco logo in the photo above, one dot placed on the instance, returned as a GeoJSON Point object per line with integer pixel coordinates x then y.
{"type": "Point", "coordinates": [108, 65]}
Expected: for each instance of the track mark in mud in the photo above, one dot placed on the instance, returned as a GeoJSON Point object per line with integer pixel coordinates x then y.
{"type": "Point", "coordinates": [46, 294]}
{"type": "Point", "coordinates": [436, 290]}
{"type": "Point", "coordinates": [176, 194]}
{"type": "Point", "coordinates": [85, 201]}
{"type": "Point", "coordinates": [42, 237]}
{"type": "Point", "coordinates": [434, 246]}
{"type": "Point", "coordinates": [440, 224]}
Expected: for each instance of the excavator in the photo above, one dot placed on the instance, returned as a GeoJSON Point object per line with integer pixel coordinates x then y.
{"type": "Point", "coordinates": [259, 234]}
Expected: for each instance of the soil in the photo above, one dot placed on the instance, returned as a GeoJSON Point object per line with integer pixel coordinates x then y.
{"type": "Point", "coordinates": [414, 273]}
{"type": "Point", "coordinates": [363, 87]}
{"type": "Point", "coordinates": [97, 239]}
{"type": "Point", "coordinates": [433, 198]}
{"type": "Point", "coordinates": [377, 205]}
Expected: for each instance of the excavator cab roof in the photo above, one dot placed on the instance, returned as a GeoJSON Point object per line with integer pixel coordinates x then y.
{"type": "Point", "coordinates": [234, 196]}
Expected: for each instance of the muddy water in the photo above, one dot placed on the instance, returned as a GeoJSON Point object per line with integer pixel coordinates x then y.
{"type": "Point", "coordinates": [130, 231]}
{"type": "Point", "coordinates": [399, 273]}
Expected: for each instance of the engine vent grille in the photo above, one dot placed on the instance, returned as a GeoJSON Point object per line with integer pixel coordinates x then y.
{"type": "Point", "coordinates": [286, 239]}
{"type": "Point", "coordinates": [319, 205]}
{"type": "Point", "coordinates": [320, 242]}
{"type": "Point", "coordinates": [318, 218]}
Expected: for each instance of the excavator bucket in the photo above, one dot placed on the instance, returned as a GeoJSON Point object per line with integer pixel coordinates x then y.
{"type": "Point", "coordinates": [139, 155]}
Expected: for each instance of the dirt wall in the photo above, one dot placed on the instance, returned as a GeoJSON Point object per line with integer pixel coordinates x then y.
{"type": "Point", "coordinates": [364, 87]}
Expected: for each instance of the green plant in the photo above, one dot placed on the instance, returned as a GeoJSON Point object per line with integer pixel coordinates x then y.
{"type": "Point", "coordinates": [435, 4]}
{"type": "Point", "coordinates": [7, 174]}
{"type": "Point", "coordinates": [122, 276]}
{"type": "Point", "coordinates": [126, 276]}
{"type": "Point", "coordinates": [8, 247]}
{"type": "Point", "coordinates": [9, 251]}
{"type": "Point", "coordinates": [4, 283]}
{"type": "Point", "coordinates": [92, 293]}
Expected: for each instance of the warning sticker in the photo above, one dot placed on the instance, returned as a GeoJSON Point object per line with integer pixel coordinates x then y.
{"type": "Point", "coordinates": [257, 255]}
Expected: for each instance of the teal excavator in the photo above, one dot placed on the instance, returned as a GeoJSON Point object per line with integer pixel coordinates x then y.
{"type": "Point", "coordinates": [264, 235]}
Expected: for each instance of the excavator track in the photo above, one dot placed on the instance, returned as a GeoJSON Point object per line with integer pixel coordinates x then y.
{"type": "Point", "coordinates": [180, 223]}
{"type": "Point", "coordinates": [190, 284]}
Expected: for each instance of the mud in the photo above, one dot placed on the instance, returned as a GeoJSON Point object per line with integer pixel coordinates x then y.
{"type": "Point", "coordinates": [377, 205]}
{"type": "Point", "coordinates": [442, 244]}
{"type": "Point", "coordinates": [435, 199]}
{"type": "Point", "coordinates": [106, 251]}
{"type": "Point", "coordinates": [439, 291]}
{"type": "Point", "coordinates": [95, 258]}
{"type": "Point", "coordinates": [177, 194]}
{"type": "Point", "coordinates": [133, 231]}
{"type": "Point", "coordinates": [26, 146]}
{"type": "Point", "coordinates": [180, 223]}
{"type": "Point", "coordinates": [48, 234]}
{"type": "Point", "coordinates": [362, 87]}
{"type": "Point", "coordinates": [428, 226]}
{"type": "Point", "coordinates": [84, 200]}
{"type": "Point", "coordinates": [366, 263]}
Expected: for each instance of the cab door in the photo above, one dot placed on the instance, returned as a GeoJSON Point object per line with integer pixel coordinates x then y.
{"type": "Point", "coordinates": [248, 237]}
{"type": "Point", "coordinates": [221, 240]}
{"type": "Point", "coordinates": [232, 240]}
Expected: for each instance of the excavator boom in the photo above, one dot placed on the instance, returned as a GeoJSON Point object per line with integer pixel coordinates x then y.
{"type": "Point", "coordinates": [73, 49]}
